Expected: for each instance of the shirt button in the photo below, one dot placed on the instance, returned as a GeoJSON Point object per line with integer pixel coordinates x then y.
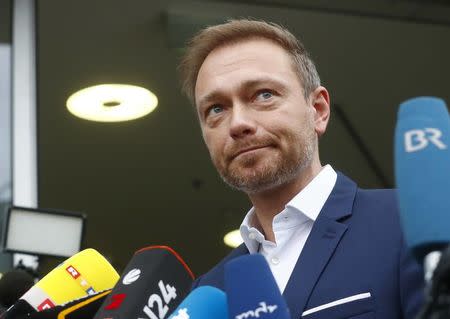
{"type": "Point", "coordinates": [252, 236]}
{"type": "Point", "coordinates": [275, 261]}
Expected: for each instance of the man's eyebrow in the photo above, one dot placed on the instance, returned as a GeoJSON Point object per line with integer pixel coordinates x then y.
{"type": "Point", "coordinates": [261, 81]}
{"type": "Point", "coordinates": [212, 96]}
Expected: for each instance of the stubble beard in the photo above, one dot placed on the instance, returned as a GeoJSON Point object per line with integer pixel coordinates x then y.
{"type": "Point", "coordinates": [256, 175]}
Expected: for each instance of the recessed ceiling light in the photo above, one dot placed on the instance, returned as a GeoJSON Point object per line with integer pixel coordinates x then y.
{"type": "Point", "coordinates": [112, 102]}
{"type": "Point", "coordinates": [233, 238]}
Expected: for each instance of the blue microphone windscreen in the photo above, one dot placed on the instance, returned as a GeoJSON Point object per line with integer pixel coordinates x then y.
{"type": "Point", "coordinates": [422, 171]}
{"type": "Point", "coordinates": [252, 291]}
{"type": "Point", "coordinates": [205, 302]}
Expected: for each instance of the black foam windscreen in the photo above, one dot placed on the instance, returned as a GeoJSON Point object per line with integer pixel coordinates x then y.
{"type": "Point", "coordinates": [20, 309]}
{"type": "Point", "coordinates": [13, 285]}
{"type": "Point", "coordinates": [152, 285]}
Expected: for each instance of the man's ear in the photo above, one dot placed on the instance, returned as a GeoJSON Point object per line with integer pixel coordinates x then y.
{"type": "Point", "coordinates": [320, 101]}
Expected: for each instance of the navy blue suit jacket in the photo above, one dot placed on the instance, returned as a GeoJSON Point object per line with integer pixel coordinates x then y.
{"type": "Point", "coordinates": [355, 247]}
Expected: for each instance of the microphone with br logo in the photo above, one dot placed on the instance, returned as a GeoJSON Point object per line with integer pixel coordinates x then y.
{"type": "Point", "coordinates": [422, 169]}
{"type": "Point", "coordinates": [152, 286]}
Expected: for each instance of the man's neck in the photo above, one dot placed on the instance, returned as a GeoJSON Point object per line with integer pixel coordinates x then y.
{"type": "Point", "coordinates": [269, 203]}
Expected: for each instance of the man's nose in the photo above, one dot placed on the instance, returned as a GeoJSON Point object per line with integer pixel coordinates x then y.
{"type": "Point", "coordinates": [242, 122]}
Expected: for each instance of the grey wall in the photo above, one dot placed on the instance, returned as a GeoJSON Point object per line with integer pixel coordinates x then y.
{"type": "Point", "coordinates": [5, 21]}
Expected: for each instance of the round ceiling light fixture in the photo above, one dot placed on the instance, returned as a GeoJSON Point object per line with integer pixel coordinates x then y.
{"type": "Point", "coordinates": [233, 238]}
{"type": "Point", "coordinates": [112, 103]}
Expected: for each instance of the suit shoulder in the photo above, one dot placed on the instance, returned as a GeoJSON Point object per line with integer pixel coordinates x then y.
{"type": "Point", "coordinates": [381, 198]}
{"type": "Point", "coordinates": [378, 192]}
{"type": "Point", "coordinates": [379, 208]}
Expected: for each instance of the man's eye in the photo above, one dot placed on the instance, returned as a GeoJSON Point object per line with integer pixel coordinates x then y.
{"type": "Point", "coordinates": [264, 95]}
{"type": "Point", "coordinates": [215, 109]}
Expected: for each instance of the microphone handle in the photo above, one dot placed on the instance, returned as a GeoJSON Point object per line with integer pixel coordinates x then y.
{"type": "Point", "coordinates": [21, 308]}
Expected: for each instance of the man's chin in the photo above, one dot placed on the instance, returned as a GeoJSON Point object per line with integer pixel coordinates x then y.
{"type": "Point", "coordinates": [251, 187]}
{"type": "Point", "coordinates": [251, 181]}
{"type": "Point", "coordinates": [252, 171]}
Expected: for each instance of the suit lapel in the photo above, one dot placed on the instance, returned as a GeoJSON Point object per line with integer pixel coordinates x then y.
{"type": "Point", "coordinates": [320, 245]}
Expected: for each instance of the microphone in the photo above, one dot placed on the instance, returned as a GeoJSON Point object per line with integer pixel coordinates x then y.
{"type": "Point", "coordinates": [13, 285]}
{"type": "Point", "coordinates": [82, 274]}
{"type": "Point", "coordinates": [152, 285]}
{"type": "Point", "coordinates": [204, 302]}
{"type": "Point", "coordinates": [252, 291]}
{"type": "Point", "coordinates": [422, 171]}
{"type": "Point", "coordinates": [83, 308]}
{"type": "Point", "coordinates": [20, 309]}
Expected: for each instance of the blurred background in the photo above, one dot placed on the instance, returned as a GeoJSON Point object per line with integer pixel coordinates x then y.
{"type": "Point", "coordinates": [150, 181]}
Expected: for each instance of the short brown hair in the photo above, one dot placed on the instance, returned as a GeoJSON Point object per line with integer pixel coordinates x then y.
{"type": "Point", "coordinates": [233, 31]}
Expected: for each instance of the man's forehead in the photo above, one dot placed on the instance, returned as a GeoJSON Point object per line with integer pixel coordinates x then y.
{"type": "Point", "coordinates": [252, 61]}
{"type": "Point", "coordinates": [249, 49]}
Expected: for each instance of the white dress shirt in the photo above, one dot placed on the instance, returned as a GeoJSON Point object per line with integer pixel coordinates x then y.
{"type": "Point", "coordinates": [291, 226]}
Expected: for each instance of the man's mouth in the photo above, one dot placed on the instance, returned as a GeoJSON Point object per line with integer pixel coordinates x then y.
{"type": "Point", "coordinates": [248, 150]}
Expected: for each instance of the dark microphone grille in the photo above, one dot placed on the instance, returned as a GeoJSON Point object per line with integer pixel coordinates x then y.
{"type": "Point", "coordinates": [13, 285]}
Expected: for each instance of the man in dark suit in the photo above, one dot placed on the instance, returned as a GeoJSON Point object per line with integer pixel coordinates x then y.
{"type": "Point", "coordinates": [336, 251]}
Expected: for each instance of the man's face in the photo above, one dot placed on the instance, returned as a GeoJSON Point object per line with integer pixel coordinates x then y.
{"type": "Point", "coordinates": [256, 123]}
